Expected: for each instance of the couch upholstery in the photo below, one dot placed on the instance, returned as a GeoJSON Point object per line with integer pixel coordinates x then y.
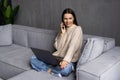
{"type": "Point", "coordinates": [1, 79]}
{"type": "Point", "coordinates": [14, 58]}
{"type": "Point", "coordinates": [105, 67]}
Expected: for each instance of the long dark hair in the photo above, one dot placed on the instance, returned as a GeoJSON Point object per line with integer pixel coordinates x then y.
{"type": "Point", "coordinates": [70, 11]}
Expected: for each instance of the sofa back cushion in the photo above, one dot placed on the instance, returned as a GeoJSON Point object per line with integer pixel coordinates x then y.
{"type": "Point", "coordinates": [42, 39]}
{"type": "Point", "coordinates": [19, 35]}
{"type": "Point", "coordinates": [34, 37]}
{"type": "Point", "coordinates": [93, 48]}
{"type": "Point", "coordinates": [6, 35]}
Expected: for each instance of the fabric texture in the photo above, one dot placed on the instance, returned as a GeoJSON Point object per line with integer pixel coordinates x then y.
{"type": "Point", "coordinates": [109, 43]}
{"type": "Point", "coordinates": [1, 79]}
{"type": "Point", "coordinates": [39, 65]}
{"type": "Point", "coordinates": [92, 49]}
{"type": "Point", "coordinates": [16, 55]}
{"type": "Point", "coordinates": [20, 36]}
{"type": "Point", "coordinates": [5, 35]}
{"type": "Point", "coordinates": [41, 40]}
{"type": "Point", "coordinates": [68, 46]}
{"type": "Point", "coordinates": [42, 75]}
{"type": "Point", "coordinates": [105, 67]}
{"type": "Point", "coordinates": [8, 71]}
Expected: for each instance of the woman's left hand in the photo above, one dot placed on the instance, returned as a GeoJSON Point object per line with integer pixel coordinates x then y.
{"type": "Point", "coordinates": [63, 64]}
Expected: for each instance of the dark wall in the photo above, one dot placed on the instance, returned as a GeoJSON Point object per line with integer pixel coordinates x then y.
{"type": "Point", "coordinates": [97, 17]}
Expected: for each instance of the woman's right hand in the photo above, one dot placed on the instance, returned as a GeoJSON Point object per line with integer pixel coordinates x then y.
{"type": "Point", "coordinates": [62, 27]}
{"type": "Point", "coordinates": [63, 64]}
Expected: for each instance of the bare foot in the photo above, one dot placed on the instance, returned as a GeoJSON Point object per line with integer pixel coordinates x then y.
{"type": "Point", "coordinates": [49, 70]}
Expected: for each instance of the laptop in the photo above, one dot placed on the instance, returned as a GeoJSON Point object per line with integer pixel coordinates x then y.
{"type": "Point", "coordinates": [45, 56]}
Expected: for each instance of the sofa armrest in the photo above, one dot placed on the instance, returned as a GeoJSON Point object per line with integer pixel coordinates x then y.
{"type": "Point", "coordinates": [104, 67]}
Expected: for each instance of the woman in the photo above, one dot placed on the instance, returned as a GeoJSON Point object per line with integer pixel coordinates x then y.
{"type": "Point", "coordinates": [67, 43]}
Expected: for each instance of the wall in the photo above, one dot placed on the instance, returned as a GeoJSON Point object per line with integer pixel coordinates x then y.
{"type": "Point", "coordinates": [97, 17]}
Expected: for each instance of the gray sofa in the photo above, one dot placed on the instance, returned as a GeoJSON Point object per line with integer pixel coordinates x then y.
{"type": "Point", "coordinates": [15, 57]}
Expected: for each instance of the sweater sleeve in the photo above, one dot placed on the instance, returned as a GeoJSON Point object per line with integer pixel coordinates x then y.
{"type": "Point", "coordinates": [74, 44]}
{"type": "Point", "coordinates": [58, 41]}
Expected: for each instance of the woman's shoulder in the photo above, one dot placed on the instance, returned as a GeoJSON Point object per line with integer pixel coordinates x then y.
{"type": "Point", "coordinates": [79, 28]}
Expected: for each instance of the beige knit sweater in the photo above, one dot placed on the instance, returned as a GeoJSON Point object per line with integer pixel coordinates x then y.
{"type": "Point", "coordinates": [68, 46]}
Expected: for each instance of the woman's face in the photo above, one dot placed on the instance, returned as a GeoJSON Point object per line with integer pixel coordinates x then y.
{"type": "Point", "coordinates": [68, 19]}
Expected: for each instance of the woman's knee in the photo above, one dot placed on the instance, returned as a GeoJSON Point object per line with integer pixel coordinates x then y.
{"type": "Point", "coordinates": [66, 71]}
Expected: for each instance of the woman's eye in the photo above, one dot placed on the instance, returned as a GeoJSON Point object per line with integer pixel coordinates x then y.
{"type": "Point", "coordinates": [70, 18]}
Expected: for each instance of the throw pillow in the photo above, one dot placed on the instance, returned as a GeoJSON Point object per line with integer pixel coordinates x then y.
{"type": "Point", "coordinates": [6, 35]}
{"type": "Point", "coordinates": [92, 49]}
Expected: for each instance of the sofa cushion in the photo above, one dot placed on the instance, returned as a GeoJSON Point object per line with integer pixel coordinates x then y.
{"type": "Point", "coordinates": [42, 75]}
{"type": "Point", "coordinates": [16, 55]}
{"type": "Point", "coordinates": [105, 67]}
{"type": "Point", "coordinates": [34, 37]}
{"type": "Point", "coordinates": [1, 79]}
{"type": "Point", "coordinates": [7, 50]}
{"type": "Point", "coordinates": [14, 59]}
{"type": "Point", "coordinates": [109, 43]}
{"type": "Point", "coordinates": [5, 35]}
{"type": "Point", "coordinates": [19, 35]}
{"type": "Point", "coordinates": [8, 71]}
{"type": "Point", "coordinates": [92, 49]}
{"type": "Point", "coordinates": [42, 40]}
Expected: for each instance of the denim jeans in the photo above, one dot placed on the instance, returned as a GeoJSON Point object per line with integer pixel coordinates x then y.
{"type": "Point", "coordinates": [40, 65]}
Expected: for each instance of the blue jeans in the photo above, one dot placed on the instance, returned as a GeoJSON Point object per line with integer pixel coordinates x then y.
{"type": "Point", "coordinates": [40, 65]}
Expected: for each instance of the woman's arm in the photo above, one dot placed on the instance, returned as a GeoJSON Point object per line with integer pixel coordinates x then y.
{"type": "Point", "coordinates": [74, 45]}
{"type": "Point", "coordinates": [60, 36]}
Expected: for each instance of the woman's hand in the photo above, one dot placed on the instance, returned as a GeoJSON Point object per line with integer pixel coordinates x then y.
{"type": "Point", "coordinates": [63, 64]}
{"type": "Point", "coordinates": [62, 27]}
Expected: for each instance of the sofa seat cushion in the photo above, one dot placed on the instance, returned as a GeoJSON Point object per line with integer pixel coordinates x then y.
{"type": "Point", "coordinates": [16, 55]}
{"type": "Point", "coordinates": [6, 50]}
{"type": "Point", "coordinates": [102, 68]}
{"type": "Point", "coordinates": [6, 35]}
{"type": "Point", "coordinates": [8, 71]}
{"type": "Point", "coordinates": [42, 75]}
